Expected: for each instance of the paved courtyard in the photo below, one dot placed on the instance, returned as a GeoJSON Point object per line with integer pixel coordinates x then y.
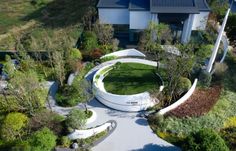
{"type": "Point", "coordinates": [132, 133]}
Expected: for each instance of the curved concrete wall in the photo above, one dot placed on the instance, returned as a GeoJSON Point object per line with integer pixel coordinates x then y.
{"type": "Point", "coordinates": [83, 134]}
{"type": "Point", "coordinates": [180, 101]}
{"type": "Point", "coordinates": [132, 103]}
{"type": "Point", "coordinates": [126, 53]}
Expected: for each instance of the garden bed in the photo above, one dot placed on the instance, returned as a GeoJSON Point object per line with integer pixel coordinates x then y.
{"type": "Point", "coordinates": [199, 103]}
{"type": "Point", "coordinates": [131, 78]}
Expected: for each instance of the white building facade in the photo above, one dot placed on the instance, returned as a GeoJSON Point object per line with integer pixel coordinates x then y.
{"type": "Point", "coordinates": [183, 15]}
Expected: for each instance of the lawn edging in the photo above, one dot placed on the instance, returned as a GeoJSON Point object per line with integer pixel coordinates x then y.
{"type": "Point", "coordinates": [180, 101]}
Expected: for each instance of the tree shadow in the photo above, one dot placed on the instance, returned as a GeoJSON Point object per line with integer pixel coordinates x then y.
{"type": "Point", "coordinates": [154, 147]}
{"type": "Point", "coordinates": [61, 13]}
{"type": "Point", "coordinates": [142, 121]}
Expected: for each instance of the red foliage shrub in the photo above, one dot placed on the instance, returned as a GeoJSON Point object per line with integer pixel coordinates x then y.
{"type": "Point", "coordinates": [96, 53]}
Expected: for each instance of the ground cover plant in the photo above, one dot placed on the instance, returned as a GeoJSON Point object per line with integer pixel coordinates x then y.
{"type": "Point", "coordinates": [175, 129]}
{"type": "Point", "coordinates": [131, 78]}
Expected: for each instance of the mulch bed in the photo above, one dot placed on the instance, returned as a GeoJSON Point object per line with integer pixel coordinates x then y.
{"type": "Point", "coordinates": [199, 103]}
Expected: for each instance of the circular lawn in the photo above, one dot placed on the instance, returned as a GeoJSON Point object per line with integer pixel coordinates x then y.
{"type": "Point", "coordinates": [131, 78]}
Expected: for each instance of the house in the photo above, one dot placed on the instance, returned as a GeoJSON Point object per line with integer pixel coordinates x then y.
{"type": "Point", "coordinates": [183, 16]}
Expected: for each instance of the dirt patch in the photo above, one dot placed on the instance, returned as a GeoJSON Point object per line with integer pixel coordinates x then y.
{"type": "Point", "coordinates": [199, 103]}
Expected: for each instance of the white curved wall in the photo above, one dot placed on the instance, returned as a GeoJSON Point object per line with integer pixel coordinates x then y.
{"type": "Point", "coordinates": [83, 134]}
{"type": "Point", "coordinates": [126, 53]}
{"type": "Point", "coordinates": [180, 101]}
{"type": "Point", "coordinates": [131, 103]}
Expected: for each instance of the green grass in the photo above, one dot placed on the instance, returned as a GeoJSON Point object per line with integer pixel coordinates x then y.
{"type": "Point", "coordinates": [12, 13]}
{"type": "Point", "coordinates": [58, 23]}
{"type": "Point", "coordinates": [131, 78]}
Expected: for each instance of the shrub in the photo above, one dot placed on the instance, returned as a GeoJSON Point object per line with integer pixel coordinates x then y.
{"type": "Point", "coordinates": [75, 54]}
{"type": "Point", "coordinates": [204, 52]}
{"type": "Point", "coordinates": [96, 54]}
{"type": "Point", "coordinates": [205, 78]}
{"type": "Point", "coordinates": [183, 85]}
{"type": "Point", "coordinates": [67, 96]}
{"type": "Point", "coordinates": [231, 122]}
{"type": "Point", "coordinates": [42, 140]}
{"type": "Point", "coordinates": [13, 126]}
{"type": "Point", "coordinates": [89, 41]}
{"type": "Point", "coordinates": [65, 141]}
{"type": "Point", "coordinates": [106, 49]}
{"type": "Point", "coordinates": [108, 58]}
{"type": "Point", "coordinates": [76, 119]}
{"type": "Point", "coordinates": [220, 69]}
{"type": "Point", "coordinates": [21, 146]}
{"type": "Point", "coordinates": [47, 118]}
{"type": "Point", "coordinates": [205, 139]}
{"type": "Point", "coordinates": [229, 136]}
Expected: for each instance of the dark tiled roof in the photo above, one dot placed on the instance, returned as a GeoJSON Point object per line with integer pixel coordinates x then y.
{"type": "Point", "coordinates": [139, 5]}
{"type": "Point", "coordinates": [202, 5]}
{"type": "Point", "coordinates": [172, 3]}
{"type": "Point", "coordinates": [158, 6]}
{"type": "Point", "coordinates": [113, 4]}
{"type": "Point", "coordinates": [173, 6]}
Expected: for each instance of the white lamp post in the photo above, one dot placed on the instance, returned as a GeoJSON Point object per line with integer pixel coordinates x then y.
{"type": "Point", "coordinates": [217, 44]}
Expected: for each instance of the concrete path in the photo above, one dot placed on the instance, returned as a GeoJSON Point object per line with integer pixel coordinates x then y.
{"type": "Point", "coordinates": [131, 134]}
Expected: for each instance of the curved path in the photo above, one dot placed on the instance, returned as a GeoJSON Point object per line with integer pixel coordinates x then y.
{"type": "Point", "coordinates": [132, 132]}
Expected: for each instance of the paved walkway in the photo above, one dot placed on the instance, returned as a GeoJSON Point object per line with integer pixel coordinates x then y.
{"type": "Point", "coordinates": [131, 134]}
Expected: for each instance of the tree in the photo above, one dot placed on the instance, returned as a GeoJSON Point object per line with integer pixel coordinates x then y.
{"type": "Point", "coordinates": [42, 140]}
{"type": "Point", "coordinates": [59, 66]}
{"type": "Point", "coordinates": [164, 35]}
{"type": "Point", "coordinates": [89, 41]}
{"type": "Point", "coordinates": [89, 18]}
{"type": "Point", "coordinates": [13, 125]}
{"type": "Point", "coordinates": [73, 60]}
{"type": "Point", "coordinates": [84, 90]}
{"type": "Point", "coordinates": [219, 7]}
{"type": "Point", "coordinates": [175, 67]}
{"type": "Point", "coordinates": [9, 67]}
{"type": "Point", "coordinates": [205, 139]}
{"type": "Point", "coordinates": [203, 53]}
{"type": "Point", "coordinates": [104, 32]}
{"type": "Point", "coordinates": [76, 119]}
{"type": "Point", "coordinates": [155, 34]}
{"type": "Point", "coordinates": [27, 91]}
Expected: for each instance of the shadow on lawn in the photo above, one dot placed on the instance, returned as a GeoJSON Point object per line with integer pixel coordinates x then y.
{"type": "Point", "coordinates": [61, 13]}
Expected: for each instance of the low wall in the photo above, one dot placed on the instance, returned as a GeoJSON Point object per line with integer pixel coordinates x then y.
{"type": "Point", "coordinates": [130, 103]}
{"type": "Point", "coordinates": [126, 53]}
{"type": "Point", "coordinates": [83, 134]}
{"type": "Point", "coordinates": [180, 101]}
